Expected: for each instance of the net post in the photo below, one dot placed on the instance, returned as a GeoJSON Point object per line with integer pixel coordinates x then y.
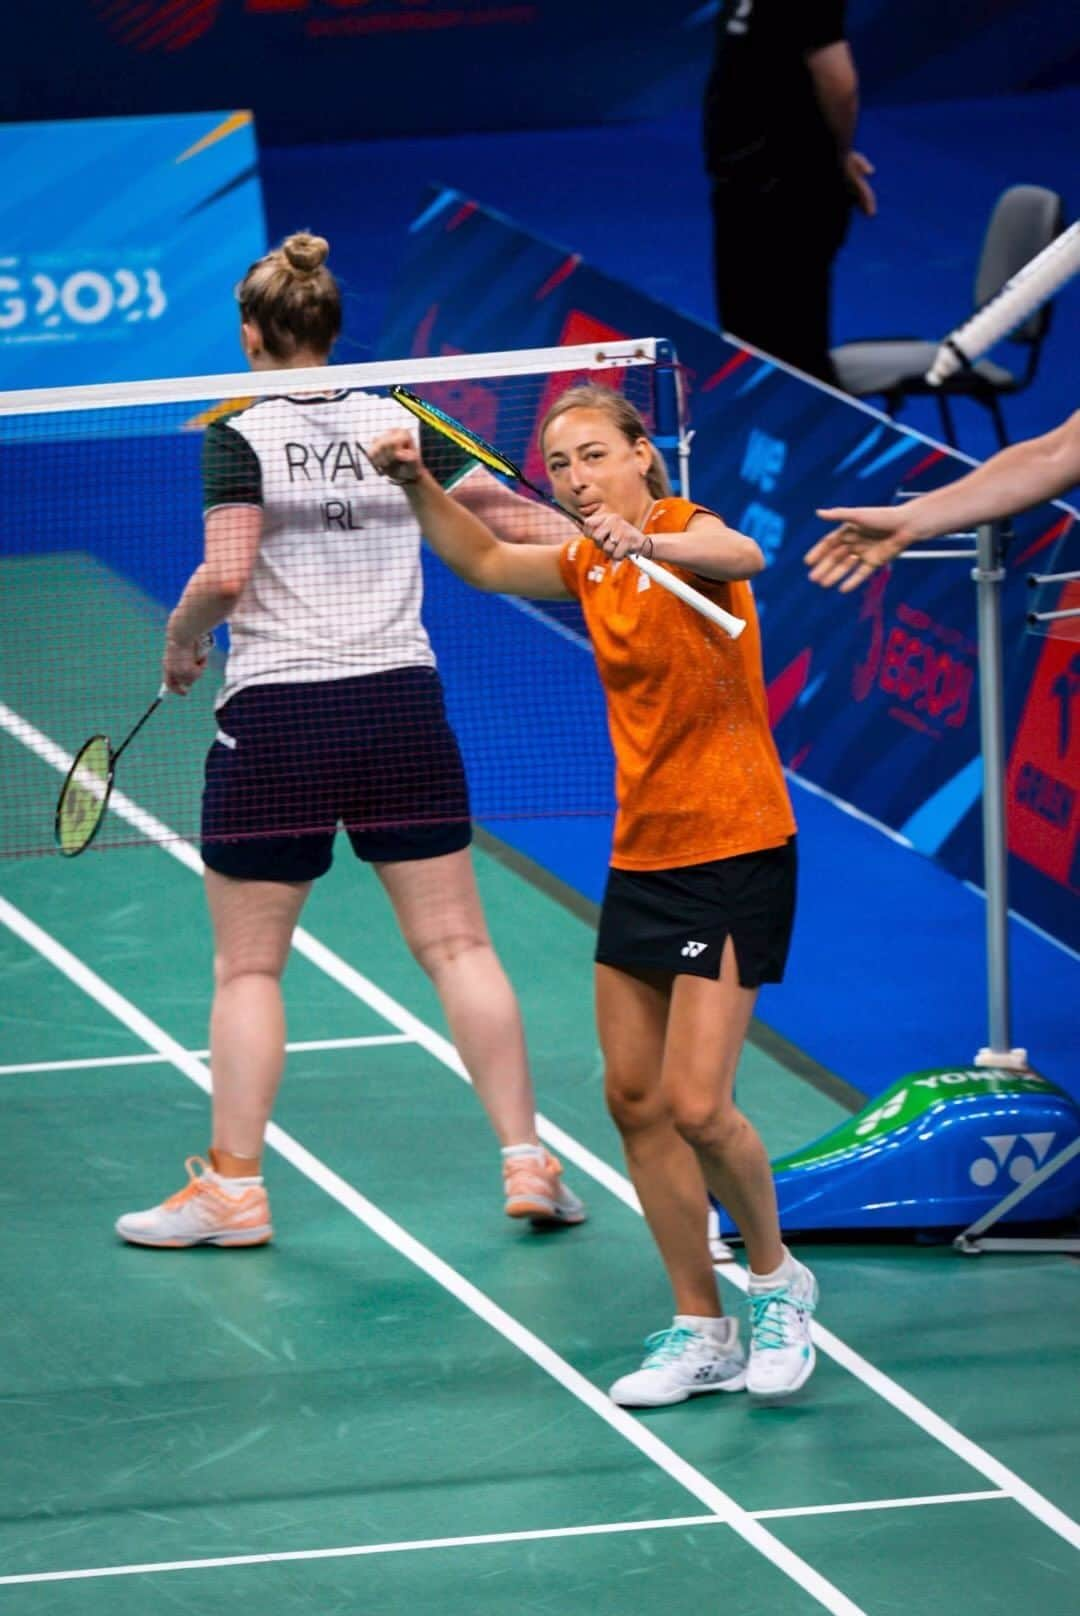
{"type": "Point", "coordinates": [669, 404]}
{"type": "Point", "coordinates": [988, 574]}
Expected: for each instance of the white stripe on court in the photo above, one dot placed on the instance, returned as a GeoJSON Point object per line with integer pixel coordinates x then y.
{"type": "Point", "coordinates": [355, 1551]}
{"type": "Point", "coordinates": [889, 1390]}
{"type": "Point", "coordinates": [665, 1458]}
{"type": "Point", "coordinates": [81, 1065]}
{"type": "Point", "coordinates": [309, 1045]}
{"type": "Point", "coordinates": [860, 1506]}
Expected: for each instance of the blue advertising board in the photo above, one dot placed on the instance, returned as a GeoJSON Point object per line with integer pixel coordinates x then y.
{"type": "Point", "coordinates": [122, 241]}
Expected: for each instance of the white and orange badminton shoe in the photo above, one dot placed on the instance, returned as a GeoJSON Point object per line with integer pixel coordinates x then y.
{"type": "Point", "coordinates": [534, 1188]}
{"type": "Point", "coordinates": [208, 1211]}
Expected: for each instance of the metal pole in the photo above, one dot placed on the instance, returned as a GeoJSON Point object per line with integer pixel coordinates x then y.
{"type": "Point", "coordinates": [988, 574]}
{"type": "Point", "coordinates": [686, 433]}
{"type": "Point", "coordinates": [669, 399]}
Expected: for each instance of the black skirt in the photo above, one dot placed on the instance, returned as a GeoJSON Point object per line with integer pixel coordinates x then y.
{"type": "Point", "coordinates": [678, 920]}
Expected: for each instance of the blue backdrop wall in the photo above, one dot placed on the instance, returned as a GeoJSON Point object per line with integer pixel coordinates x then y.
{"type": "Point", "coordinates": [323, 69]}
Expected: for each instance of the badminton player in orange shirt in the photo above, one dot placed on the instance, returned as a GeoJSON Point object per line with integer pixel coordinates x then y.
{"type": "Point", "coordinates": [700, 897]}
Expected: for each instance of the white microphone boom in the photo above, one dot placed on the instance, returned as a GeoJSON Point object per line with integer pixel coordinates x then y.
{"type": "Point", "coordinates": [1018, 298]}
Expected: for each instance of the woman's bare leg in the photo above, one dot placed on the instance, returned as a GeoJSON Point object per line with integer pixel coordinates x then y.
{"type": "Point", "coordinates": [707, 1027]}
{"type": "Point", "coordinates": [631, 1015]}
{"type": "Point", "coordinates": [438, 910]}
{"type": "Point", "coordinates": [253, 924]}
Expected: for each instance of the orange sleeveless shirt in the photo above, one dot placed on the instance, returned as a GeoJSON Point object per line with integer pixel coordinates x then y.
{"type": "Point", "coordinates": [697, 772]}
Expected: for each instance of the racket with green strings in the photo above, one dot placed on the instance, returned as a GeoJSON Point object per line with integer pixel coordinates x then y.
{"type": "Point", "coordinates": [84, 795]}
{"type": "Point", "coordinates": [485, 452]}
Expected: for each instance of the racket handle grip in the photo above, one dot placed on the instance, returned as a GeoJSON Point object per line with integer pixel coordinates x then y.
{"type": "Point", "coordinates": [731, 625]}
{"type": "Point", "coordinates": [205, 644]}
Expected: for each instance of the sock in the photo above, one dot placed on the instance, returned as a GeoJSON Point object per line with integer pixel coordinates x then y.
{"type": "Point", "coordinates": [242, 1171]}
{"type": "Point", "coordinates": [778, 1277]}
{"type": "Point", "coordinates": [536, 1152]}
{"type": "Point", "coordinates": [233, 1186]}
{"type": "Point", "coordinates": [723, 1331]}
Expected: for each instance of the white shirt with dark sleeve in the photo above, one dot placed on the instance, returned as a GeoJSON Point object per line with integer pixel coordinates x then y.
{"type": "Point", "coordinates": [336, 588]}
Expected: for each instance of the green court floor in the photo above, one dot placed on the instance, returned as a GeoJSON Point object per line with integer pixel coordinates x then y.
{"type": "Point", "coordinates": [400, 1403]}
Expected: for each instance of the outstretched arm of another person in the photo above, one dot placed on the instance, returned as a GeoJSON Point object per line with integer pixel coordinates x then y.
{"type": "Point", "coordinates": [463, 541]}
{"type": "Point", "coordinates": [869, 537]}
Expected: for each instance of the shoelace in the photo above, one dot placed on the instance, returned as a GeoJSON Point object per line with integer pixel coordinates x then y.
{"type": "Point", "coordinates": [664, 1345]}
{"type": "Point", "coordinates": [198, 1184]}
{"type": "Point", "coordinates": [194, 1185]}
{"type": "Point", "coordinates": [769, 1315]}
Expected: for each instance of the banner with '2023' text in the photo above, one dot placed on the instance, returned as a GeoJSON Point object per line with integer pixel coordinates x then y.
{"type": "Point", "coordinates": [122, 241]}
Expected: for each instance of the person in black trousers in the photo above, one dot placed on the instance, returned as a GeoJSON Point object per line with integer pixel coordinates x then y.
{"type": "Point", "coordinates": [781, 107]}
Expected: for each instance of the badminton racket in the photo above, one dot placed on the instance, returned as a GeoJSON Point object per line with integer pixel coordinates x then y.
{"type": "Point", "coordinates": [84, 795]}
{"type": "Point", "coordinates": [485, 452]}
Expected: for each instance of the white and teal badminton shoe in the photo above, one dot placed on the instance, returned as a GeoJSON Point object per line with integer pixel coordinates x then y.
{"type": "Point", "coordinates": [781, 1349]}
{"type": "Point", "coordinates": [685, 1362]}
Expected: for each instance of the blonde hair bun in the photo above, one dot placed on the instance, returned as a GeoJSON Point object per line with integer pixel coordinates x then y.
{"type": "Point", "coordinates": [304, 252]}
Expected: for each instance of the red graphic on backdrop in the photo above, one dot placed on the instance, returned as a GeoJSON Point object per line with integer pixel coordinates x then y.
{"type": "Point", "coordinates": [1044, 769]}
{"type": "Point", "coordinates": [329, 18]}
{"type": "Point", "coordinates": [926, 667]}
{"type": "Point", "coordinates": [923, 465]}
{"type": "Point", "coordinates": [784, 691]}
{"type": "Point", "coordinates": [147, 25]}
{"type": "Point", "coordinates": [557, 276]}
{"type": "Point", "coordinates": [1057, 531]}
{"type": "Point", "coordinates": [872, 610]}
{"type": "Point", "coordinates": [727, 369]}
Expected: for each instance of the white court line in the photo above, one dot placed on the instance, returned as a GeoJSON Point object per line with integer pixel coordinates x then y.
{"type": "Point", "coordinates": [859, 1507]}
{"type": "Point", "coordinates": [307, 1046]}
{"type": "Point", "coordinates": [81, 1065]}
{"type": "Point", "coordinates": [889, 1390]}
{"type": "Point", "coordinates": [720, 1503]}
{"type": "Point", "coordinates": [355, 1551]}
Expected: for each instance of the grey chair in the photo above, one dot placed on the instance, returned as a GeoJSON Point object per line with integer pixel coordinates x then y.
{"type": "Point", "coordinates": [1026, 218]}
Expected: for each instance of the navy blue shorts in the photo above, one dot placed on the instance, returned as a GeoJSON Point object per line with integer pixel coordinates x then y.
{"type": "Point", "coordinates": [678, 921]}
{"type": "Point", "coordinates": [374, 754]}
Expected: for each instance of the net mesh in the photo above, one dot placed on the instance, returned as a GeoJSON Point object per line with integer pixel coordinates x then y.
{"type": "Point", "coordinates": [319, 705]}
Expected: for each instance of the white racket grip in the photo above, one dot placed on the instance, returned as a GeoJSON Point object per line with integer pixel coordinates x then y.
{"type": "Point", "coordinates": [731, 625]}
{"type": "Point", "coordinates": [1020, 296]}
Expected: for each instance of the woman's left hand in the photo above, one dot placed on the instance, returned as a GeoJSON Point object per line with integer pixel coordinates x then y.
{"type": "Point", "coordinates": [616, 536]}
